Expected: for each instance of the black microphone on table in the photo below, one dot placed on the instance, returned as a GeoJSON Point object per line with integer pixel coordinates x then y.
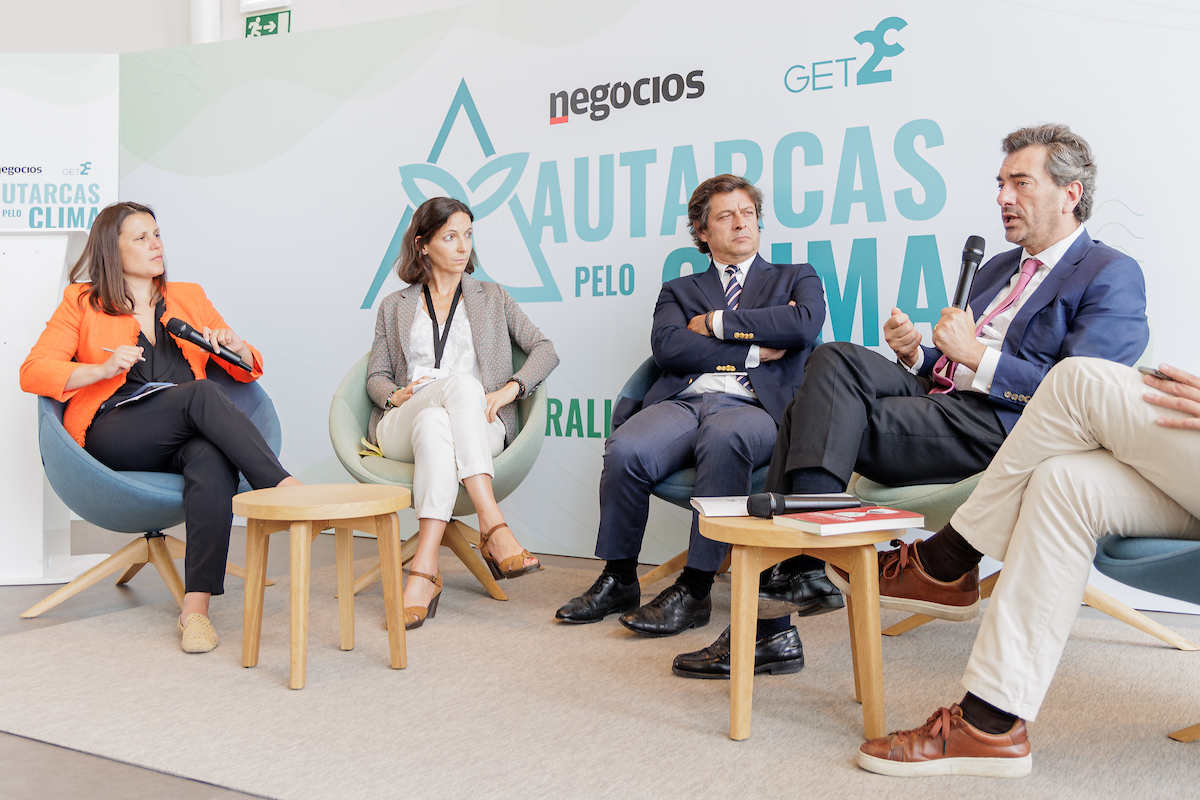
{"type": "Point", "coordinates": [178, 328]}
{"type": "Point", "coordinates": [971, 258]}
{"type": "Point", "coordinates": [768, 504]}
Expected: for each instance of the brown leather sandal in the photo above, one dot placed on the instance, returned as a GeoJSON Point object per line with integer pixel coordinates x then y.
{"type": "Point", "coordinates": [511, 567]}
{"type": "Point", "coordinates": [415, 617]}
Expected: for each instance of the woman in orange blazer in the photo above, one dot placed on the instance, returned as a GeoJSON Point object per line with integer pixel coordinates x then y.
{"type": "Point", "coordinates": [105, 343]}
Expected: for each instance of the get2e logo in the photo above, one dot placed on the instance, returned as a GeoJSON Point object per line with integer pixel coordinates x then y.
{"type": "Point", "coordinates": [802, 77]}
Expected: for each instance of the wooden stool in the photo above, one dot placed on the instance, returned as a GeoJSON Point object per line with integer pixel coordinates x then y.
{"type": "Point", "coordinates": [306, 511]}
{"type": "Point", "coordinates": [759, 544]}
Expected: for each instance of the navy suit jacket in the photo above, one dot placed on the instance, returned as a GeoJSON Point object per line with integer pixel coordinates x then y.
{"type": "Point", "coordinates": [763, 318]}
{"type": "Point", "coordinates": [1093, 303]}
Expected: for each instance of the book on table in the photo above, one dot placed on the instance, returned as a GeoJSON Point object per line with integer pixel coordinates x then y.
{"type": "Point", "coordinates": [850, 520]}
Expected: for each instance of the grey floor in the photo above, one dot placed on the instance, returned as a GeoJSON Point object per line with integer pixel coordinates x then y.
{"type": "Point", "coordinates": [34, 770]}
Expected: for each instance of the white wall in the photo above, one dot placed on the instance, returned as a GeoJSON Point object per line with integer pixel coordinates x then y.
{"type": "Point", "coordinates": [127, 26]}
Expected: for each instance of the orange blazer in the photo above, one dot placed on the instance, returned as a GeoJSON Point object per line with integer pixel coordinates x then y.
{"type": "Point", "coordinates": [77, 334]}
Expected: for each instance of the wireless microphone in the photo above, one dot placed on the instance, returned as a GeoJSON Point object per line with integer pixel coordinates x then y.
{"type": "Point", "coordinates": [768, 504]}
{"type": "Point", "coordinates": [180, 329]}
{"type": "Point", "coordinates": [971, 258]}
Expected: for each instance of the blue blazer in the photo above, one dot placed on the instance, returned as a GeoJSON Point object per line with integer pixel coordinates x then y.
{"type": "Point", "coordinates": [1093, 303]}
{"type": "Point", "coordinates": [763, 318]}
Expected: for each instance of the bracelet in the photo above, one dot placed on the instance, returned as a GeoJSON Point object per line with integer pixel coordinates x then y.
{"type": "Point", "coordinates": [520, 383]}
{"type": "Point", "coordinates": [708, 318]}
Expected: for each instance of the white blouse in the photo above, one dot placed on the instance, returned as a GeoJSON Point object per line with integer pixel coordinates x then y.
{"type": "Point", "coordinates": [458, 357]}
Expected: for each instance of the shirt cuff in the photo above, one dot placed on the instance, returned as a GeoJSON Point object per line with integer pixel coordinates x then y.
{"type": "Point", "coordinates": [915, 369]}
{"type": "Point", "coordinates": [982, 382]}
{"type": "Point", "coordinates": [752, 359]}
{"type": "Point", "coordinates": [718, 325]}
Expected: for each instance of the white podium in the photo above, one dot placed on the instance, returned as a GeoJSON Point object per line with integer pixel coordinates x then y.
{"type": "Point", "coordinates": [35, 532]}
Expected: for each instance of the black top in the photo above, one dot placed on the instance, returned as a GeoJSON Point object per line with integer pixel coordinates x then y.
{"type": "Point", "coordinates": [164, 362]}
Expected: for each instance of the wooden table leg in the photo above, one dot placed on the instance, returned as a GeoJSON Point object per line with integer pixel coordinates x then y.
{"type": "Point", "coordinates": [301, 547]}
{"type": "Point", "coordinates": [850, 606]}
{"type": "Point", "coordinates": [343, 542]}
{"type": "Point", "coordinates": [743, 623]}
{"type": "Point", "coordinates": [387, 533]}
{"type": "Point", "coordinates": [257, 542]}
{"type": "Point", "coordinates": [868, 651]}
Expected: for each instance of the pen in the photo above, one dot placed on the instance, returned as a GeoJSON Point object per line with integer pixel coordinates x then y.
{"type": "Point", "coordinates": [110, 350]}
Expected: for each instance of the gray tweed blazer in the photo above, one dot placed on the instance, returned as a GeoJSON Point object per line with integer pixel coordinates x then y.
{"type": "Point", "coordinates": [495, 318]}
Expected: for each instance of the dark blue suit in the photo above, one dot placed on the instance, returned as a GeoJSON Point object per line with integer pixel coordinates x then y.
{"type": "Point", "coordinates": [724, 436]}
{"type": "Point", "coordinates": [858, 411]}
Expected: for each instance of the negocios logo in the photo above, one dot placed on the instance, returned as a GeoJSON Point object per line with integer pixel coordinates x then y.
{"type": "Point", "coordinates": [20, 170]}
{"type": "Point", "coordinates": [599, 101]}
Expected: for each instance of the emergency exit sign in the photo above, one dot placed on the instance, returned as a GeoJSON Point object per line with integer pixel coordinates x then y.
{"type": "Point", "coordinates": [268, 24]}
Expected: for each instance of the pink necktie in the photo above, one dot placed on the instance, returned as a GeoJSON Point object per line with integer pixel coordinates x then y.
{"type": "Point", "coordinates": [945, 381]}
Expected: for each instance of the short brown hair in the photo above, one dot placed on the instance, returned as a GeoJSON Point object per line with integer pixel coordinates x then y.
{"type": "Point", "coordinates": [698, 205]}
{"type": "Point", "coordinates": [412, 266]}
{"type": "Point", "coordinates": [1068, 159]}
{"type": "Point", "coordinates": [101, 262]}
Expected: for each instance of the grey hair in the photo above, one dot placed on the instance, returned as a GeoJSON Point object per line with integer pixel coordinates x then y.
{"type": "Point", "coordinates": [1068, 158]}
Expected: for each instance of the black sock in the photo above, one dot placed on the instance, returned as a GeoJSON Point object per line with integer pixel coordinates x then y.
{"type": "Point", "coordinates": [625, 569]}
{"type": "Point", "coordinates": [947, 556]}
{"type": "Point", "coordinates": [698, 582]}
{"type": "Point", "coordinates": [815, 481]}
{"type": "Point", "coordinates": [770, 627]}
{"type": "Point", "coordinates": [985, 716]}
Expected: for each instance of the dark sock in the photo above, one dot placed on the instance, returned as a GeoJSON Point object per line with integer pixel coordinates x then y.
{"type": "Point", "coordinates": [698, 582]}
{"type": "Point", "coordinates": [625, 569]}
{"type": "Point", "coordinates": [985, 716]}
{"type": "Point", "coordinates": [815, 481]}
{"type": "Point", "coordinates": [770, 627]}
{"type": "Point", "coordinates": [947, 556]}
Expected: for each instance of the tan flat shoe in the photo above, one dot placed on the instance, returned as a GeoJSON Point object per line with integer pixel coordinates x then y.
{"type": "Point", "coordinates": [511, 567]}
{"type": "Point", "coordinates": [199, 636]}
{"type": "Point", "coordinates": [415, 617]}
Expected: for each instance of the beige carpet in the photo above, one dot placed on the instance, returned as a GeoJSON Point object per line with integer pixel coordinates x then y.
{"type": "Point", "coordinates": [499, 701]}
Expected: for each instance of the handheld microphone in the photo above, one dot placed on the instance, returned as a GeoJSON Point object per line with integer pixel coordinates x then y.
{"type": "Point", "coordinates": [768, 504]}
{"type": "Point", "coordinates": [178, 328]}
{"type": "Point", "coordinates": [971, 257]}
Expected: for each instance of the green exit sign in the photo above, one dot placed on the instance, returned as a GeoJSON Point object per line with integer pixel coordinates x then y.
{"type": "Point", "coordinates": [268, 24]}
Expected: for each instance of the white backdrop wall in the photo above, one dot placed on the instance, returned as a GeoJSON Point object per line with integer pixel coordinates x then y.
{"type": "Point", "coordinates": [284, 170]}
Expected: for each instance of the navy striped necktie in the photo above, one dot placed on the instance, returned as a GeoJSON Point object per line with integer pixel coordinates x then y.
{"type": "Point", "coordinates": [733, 292]}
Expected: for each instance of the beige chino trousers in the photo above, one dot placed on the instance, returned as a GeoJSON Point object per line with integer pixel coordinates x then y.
{"type": "Point", "coordinates": [1086, 459]}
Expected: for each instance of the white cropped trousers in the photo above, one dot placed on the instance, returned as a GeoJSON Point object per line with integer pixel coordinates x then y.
{"type": "Point", "coordinates": [443, 431]}
{"type": "Point", "coordinates": [1085, 460]}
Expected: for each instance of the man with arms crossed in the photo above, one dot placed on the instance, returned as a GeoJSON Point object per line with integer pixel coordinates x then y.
{"type": "Point", "coordinates": [1095, 453]}
{"type": "Point", "coordinates": [731, 342]}
{"type": "Point", "coordinates": [941, 414]}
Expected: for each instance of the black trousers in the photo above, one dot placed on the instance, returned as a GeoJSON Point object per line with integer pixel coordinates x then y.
{"type": "Point", "coordinates": [858, 411]}
{"type": "Point", "coordinates": [192, 429]}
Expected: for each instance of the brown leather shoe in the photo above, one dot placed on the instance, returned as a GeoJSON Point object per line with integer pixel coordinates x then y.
{"type": "Point", "coordinates": [904, 585]}
{"type": "Point", "coordinates": [949, 745]}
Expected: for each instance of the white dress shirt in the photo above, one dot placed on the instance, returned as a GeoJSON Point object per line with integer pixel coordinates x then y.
{"type": "Point", "coordinates": [726, 381]}
{"type": "Point", "coordinates": [992, 336]}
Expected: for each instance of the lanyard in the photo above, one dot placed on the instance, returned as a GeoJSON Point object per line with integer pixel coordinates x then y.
{"type": "Point", "coordinates": [439, 342]}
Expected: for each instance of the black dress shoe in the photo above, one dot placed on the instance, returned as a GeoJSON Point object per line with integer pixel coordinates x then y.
{"type": "Point", "coordinates": [672, 612]}
{"type": "Point", "coordinates": [607, 596]}
{"type": "Point", "coordinates": [779, 654]}
{"type": "Point", "coordinates": [806, 592]}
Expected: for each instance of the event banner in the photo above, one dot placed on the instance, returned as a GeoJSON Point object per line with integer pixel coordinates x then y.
{"type": "Point", "coordinates": [285, 170]}
{"type": "Point", "coordinates": [58, 140]}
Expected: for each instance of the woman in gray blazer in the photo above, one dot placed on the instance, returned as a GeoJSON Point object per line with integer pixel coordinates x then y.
{"type": "Point", "coordinates": [442, 380]}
